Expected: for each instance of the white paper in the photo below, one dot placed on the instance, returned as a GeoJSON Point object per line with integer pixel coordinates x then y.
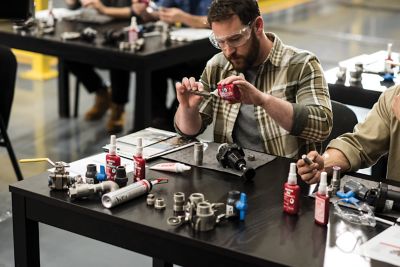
{"type": "Point", "coordinates": [384, 247]}
{"type": "Point", "coordinates": [189, 34]}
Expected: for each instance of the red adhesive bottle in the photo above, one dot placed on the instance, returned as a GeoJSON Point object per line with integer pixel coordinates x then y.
{"type": "Point", "coordinates": [321, 215]}
{"type": "Point", "coordinates": [229, 92]}
{"type": "Point", "coordinates": [291, 192]}
{"type": "Point", "coordinates": [112, 159]}
{"type": "Point", "coordinates": [139, 162]}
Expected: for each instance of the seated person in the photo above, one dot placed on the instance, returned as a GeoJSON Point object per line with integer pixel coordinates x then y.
{"type": "Point", "coordinates": [8, 70]}
{"type": "Point", "coordinates": [284, 108]}
{"type": "Point", "coordinates": [188, 13]}
{"type": "Point", "coordinates": [377, 135]}
{"type": "Point", "coordinates": [92, 80]}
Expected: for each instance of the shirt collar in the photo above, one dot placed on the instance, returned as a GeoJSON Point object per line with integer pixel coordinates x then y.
{"type": "Point", "coordinates": [276, 53]}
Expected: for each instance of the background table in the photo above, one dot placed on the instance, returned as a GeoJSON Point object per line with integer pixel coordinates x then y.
{"type": "Point", "coordinates": [366, 94]}
{"type": "Point", "coordinates": [154, 56]}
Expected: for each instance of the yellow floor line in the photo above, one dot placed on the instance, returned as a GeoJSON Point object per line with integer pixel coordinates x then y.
{"type": "Point", "coordinates": [270, 6]}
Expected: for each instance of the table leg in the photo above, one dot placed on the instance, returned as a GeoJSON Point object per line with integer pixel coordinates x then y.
{"type": "Point", "coordinates": [161, 263]}
{"type": "Point", "coordinates": [142, 107]}
{"type": "Point", "coordinates": [26, 235]}
{"type": "Point", "coordinates": [63, 89]}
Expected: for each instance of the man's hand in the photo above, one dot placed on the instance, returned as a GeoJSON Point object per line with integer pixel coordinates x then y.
{"type": "Point", "coordinates": [139, 7]}
{"type": "Point", "coordinates": [396, 106]}
{"type": "Point", "coordinates": [171, 15]}
{"type": "Point", "coordinates": [187, 100]}
{"type": "Point", "coordinates": [96, 4]}
{"type": "Point", "coordinates": [249, 93]}
{"type": "Point", "coordinates": [311, 173]}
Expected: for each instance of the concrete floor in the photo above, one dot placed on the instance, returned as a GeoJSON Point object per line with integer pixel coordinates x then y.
{"type": "Point", "coordinates": [333, 30]}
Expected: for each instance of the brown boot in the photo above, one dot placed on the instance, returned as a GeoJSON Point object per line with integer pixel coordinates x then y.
{"type": "Point", "coordinates": [101, 104]}
{"type": "Point", "coordinates": [116, 122]}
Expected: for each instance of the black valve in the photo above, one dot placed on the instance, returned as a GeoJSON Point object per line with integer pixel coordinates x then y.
{"type": "Point", "coordinates": [232, 156]}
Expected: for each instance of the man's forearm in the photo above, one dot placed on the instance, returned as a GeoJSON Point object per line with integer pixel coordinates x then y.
{"type": "Point", "coordinates": [195, 21]}
{"type": "Point", "coordinates": [118, 12]}
{"type": "Point", "coordinates": [188, 120]}
{"type": "Point", "coordinates": [334, 157]}
{"type": "Point", "coordinates": [280, 110]}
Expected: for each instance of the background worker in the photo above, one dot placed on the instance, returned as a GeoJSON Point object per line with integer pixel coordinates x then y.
{"type": "Point", "coordinates": [189, 14]}
{"type": "Point", "coordinates": [117, 96]}
{"type": "Point", "coordinates": [378, 135]}
{"type": "Point", "coordinates": [284, 108]}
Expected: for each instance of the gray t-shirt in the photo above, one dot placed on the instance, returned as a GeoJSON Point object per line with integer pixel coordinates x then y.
{"type": "Point", "coordinates": [246, 132]}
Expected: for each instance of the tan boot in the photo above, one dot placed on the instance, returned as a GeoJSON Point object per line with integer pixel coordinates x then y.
{"type": "Point", "coordinates": [101, 104]}
{"type": "Point", "coordinates": [116, 122]}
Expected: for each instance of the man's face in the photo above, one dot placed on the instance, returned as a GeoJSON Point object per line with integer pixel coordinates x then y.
{"type": "Point", "coordinates": [238, 42]}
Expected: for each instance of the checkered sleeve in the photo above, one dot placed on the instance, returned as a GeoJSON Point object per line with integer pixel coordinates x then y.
{"type": "Point", "coordinates": [312, 111]}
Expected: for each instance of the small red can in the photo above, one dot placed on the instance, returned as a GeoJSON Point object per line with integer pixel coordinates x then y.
{"type": "Point", "coordinates": [229, 92]}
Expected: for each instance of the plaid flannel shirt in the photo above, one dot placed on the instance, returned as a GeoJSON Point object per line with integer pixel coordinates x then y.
{"type": "Point", "coordinates": [288, 73]}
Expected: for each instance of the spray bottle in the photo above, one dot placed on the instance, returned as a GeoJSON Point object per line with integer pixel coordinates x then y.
{"type": "Point", "coordinates": [321, 215]}
{"type": "Point", "coordinates": [291, 192]}
{"type": "Point", "coordinates": [139, 162]}
{"type": "Point", "coordinates": [112, 159]}
{"type": "Point", "coordinates": [133, 33]}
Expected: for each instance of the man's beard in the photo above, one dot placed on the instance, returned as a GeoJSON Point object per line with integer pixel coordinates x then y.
{"type": "Point", "coordinates": [249, 59]}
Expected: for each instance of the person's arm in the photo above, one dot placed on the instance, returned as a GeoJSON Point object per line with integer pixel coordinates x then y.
{"type": "Point", "coordinates": [73, 4]}
{"type": "Point", "coordinates": [176, 15]}
{"type": "Point", "coordinates": [115, 12]}
{"type": "Point", "coordinates": [371, 138]}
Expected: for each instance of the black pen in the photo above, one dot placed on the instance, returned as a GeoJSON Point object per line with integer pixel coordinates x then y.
{"type": "Point", "coordinates": [307, 160]}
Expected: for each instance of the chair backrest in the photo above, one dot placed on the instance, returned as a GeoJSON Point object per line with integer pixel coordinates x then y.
{"type": "Point", "coordinates": [344, 120]}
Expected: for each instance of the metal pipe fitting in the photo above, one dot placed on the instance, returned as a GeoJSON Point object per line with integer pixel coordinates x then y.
{"type": "Point", "coordinates": [86, 190]}
{"type": "Point", "coordinates": [198, 154]}
{"type": "Point", "coordinates": [159, 204]}
{"type": "Point", "coordinates": [179, 203]}
{"type": "Point", "coordinates": [151, 198]}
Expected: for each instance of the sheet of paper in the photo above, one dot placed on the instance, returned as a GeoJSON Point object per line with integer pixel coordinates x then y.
{"type": "Point", "coordinates": [189, 34]}
{"type": "Point", "coordinates": [384, 247]}
{"type": "Point", "coordinates": [79, 166]}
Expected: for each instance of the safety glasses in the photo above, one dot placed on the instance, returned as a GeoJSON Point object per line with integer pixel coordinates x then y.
{"type": "Point", "coordinates": [236, 39]}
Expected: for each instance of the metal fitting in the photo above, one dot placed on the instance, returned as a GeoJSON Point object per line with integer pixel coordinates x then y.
{"type": "Point", "coordinates": [251, 157]}
{"type": "Point", "coordinates": [86, 190]}
{"type": "Point", "coordinates": [179, 203]}
{"type": "Point", "coordinates": [204, 220]}
{"type": "Point", "coordinates": [159, 203]}
{"type": "Point", "coordinates": [198, 154]}
{"type": "Point", "coordinates": [151, 198]}
{"type": "Point", "coordinates": [91, 172]}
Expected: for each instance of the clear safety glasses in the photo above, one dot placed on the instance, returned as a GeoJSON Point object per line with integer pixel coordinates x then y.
{"type": "Point", "coordinates": [236, 39]}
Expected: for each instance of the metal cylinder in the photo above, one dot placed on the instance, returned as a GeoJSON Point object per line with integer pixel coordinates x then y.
{"type": "Point", "coordinates": [126, 193]}
{"type": "Point", "coordinates": [204, 220]}
{"type": "Point", "coordinates": [159, 204]}
{"type": "Point", "coordinates": [198, 154]}
{"type": "Point", "coordinates": [179, 203]}
{"type": "Point", "coordinates": [151, 198]}
{"type": "Point", "coordinates": [196, 198]}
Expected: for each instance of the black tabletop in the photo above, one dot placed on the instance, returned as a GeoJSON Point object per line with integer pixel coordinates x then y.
{"type": "Point", "coordinates": [267, 236]}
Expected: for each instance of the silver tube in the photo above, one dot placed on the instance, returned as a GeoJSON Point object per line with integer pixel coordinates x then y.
{"type": "Point", "coordinates": [126, 193]}
{"type": "Point", "coordinates": [198, 154]}
{"type": "Point", "coordinates": [85, 190]}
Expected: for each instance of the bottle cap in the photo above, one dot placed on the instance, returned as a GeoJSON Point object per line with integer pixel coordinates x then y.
{"type": "Point", "coordinates": [323, 183]}
{"type": "Point", "coordinates": [113, 144]}
{"type": "Point", "coordinates": [182, 167]}
{"type": "Point", "coordinates": [139, 147]}
{"type": "Point", "coordinates": [292, 177]}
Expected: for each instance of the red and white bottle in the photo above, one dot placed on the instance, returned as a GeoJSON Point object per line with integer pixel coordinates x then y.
{"type": "Point", "coordinates": [139, 162]}
{"type": "Point", "coordinates": [133, 33]}
{"type": "Point", "coordinates": [112, 159]}
{"type": "Point", "coordinates": [291, 192]}
{"type": "Point", "coordinates": [321, 215]}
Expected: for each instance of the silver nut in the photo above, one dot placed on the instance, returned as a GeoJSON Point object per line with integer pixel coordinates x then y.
{"type": "Point", "coordinates": [151, 198]}
{"type": "Point", "coordinates": [159, 204]}
{"type": "Point", "coordinates": [251, 157]}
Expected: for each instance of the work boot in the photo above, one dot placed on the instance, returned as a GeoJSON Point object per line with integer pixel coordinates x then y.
{"type": "Point", "coordinates": [116, 122]}
{"type": "Point", "coordinates": [101, 104]}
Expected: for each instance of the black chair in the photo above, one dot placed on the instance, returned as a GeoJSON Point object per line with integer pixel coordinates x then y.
{"type": "Point", "coordinates": [5, 141]}
{"type": "Point", "coordinates": [344, 120]}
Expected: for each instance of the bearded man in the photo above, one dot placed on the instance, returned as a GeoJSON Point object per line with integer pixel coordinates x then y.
{"type": "Point", "coordinates": [284, 108]}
